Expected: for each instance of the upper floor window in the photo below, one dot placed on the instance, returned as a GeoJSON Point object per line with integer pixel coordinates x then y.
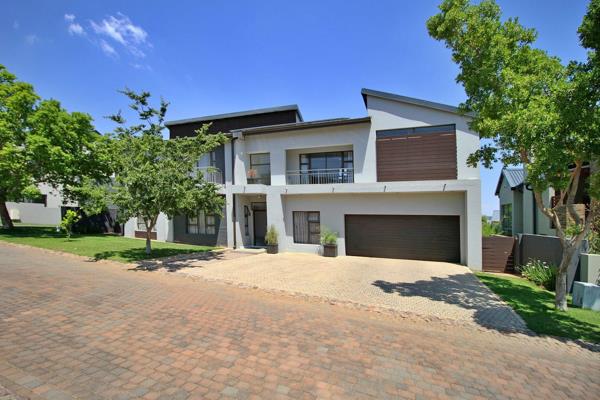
{"type": "Point", "coordinates": [260, 169]}
{"type": "Point", "coordinates": [330, 167]}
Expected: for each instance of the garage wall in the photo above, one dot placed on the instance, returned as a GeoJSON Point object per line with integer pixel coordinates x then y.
{"type": "Point", "coordinates": [333, 207]}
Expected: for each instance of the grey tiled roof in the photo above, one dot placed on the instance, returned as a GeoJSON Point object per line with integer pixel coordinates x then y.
{"type": "Point", "coordinates": [515, 176]}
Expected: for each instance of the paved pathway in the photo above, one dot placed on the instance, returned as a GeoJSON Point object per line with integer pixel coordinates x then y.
{"type": "Point", "coordinates": [84, 330]}
{"type": "Point", "coordinates": [442, 290]}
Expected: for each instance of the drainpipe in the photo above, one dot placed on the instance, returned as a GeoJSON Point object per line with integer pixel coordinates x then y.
{"type": "Point", "coordinates": [233, 207]}
{"type": "Point", "coordinates": [534, 207]}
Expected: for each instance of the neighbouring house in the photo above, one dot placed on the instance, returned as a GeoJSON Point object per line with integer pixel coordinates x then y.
{"type": "Point", "coordinates": [46, 209]}
{"type": "Point", "coordinates": [519, 212]}
{"type": "Point", "coordinates": [394, 183]}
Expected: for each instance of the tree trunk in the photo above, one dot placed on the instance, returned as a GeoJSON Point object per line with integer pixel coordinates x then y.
{"type": "Point", "coordinates": [560, 299]}
{"type": "Point", "coordinates": [148, 241]}
{"type": "Point", "coordinates": [5, 215]}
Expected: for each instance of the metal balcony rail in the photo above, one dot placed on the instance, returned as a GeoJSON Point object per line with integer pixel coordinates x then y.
{"type": "Point", "coordinates": [211, 174]}
{"type": "Point", "coordinates": [318, 176]}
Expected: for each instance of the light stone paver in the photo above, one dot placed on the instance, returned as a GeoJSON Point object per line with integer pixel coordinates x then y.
{"type": "Point", "coordinates": [438, 289]}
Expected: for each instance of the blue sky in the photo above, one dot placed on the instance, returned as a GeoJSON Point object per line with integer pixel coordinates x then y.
{"type": "Point", "coordinates": [221, 56]}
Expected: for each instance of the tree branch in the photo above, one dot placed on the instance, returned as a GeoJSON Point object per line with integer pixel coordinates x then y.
{"type": "Point", "coordinates": [573, 192]}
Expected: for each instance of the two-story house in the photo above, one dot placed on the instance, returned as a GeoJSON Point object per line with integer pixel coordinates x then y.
{"type": "Point", "coordinates": [393, 183]}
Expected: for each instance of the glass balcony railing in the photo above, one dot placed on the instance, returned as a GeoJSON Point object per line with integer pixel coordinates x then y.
{"type": "Point", "coordinates": [211, 174]}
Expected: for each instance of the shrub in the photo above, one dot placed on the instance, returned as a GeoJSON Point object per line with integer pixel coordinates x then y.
{"type": "Point", "coordinates": [489, 228]}
{"type": "Point", "coordinates": [540, 273]}
{"type": "Point", "coordinates": [328, 237]}
{"type": "Point", "coordinates": [271, 236]}
{"type": "Point", "coordinates": [70, 218]}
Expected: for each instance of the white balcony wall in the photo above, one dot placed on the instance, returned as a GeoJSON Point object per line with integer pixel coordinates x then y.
{"type": "Point", "coordinates": [280, 144]}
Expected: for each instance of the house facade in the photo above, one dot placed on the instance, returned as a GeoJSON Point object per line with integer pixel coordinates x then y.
{"type": "Point", "coordinates": [393, 183]}
{"type": "Point", "coordinates": [519, 212]}
{"type": "Point", "coordinates": [45, 209]}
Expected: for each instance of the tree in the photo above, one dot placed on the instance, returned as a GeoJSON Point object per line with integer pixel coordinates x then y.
{"type": "Point", "coordinates": [535, 111]}
{"type": "Point", "coordinates": [153, 175]}
{"type": "Point", "coordinates": [42, 142]}
{"type": "Point", "coordinates": [66, 224]}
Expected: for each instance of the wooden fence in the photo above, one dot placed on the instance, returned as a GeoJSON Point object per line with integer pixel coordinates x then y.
{"type": "Point", "coordinates": [499, 253]}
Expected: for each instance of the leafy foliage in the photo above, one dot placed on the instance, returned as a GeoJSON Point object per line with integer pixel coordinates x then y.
{"type": "Point", "coordinates": [489, 228]}
{"type": "Point", "coordinates": [539, 273]}
{"type": "Point", "coordinates": [328, 237]}
{"type": "Point", "coordinates": [153, 175]}
{"type": "Point", "coordinates": [534, 110]}
{"type": "Point", "coordinates": [66, 224]}
{"type": "Point", "coordinates": [42, 142]}
{"type": "Point", "coordinates": [271, 236]}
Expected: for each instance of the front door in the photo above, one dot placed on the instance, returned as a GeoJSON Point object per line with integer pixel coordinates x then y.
{"type": "Point", "coordinates": [260, 223]}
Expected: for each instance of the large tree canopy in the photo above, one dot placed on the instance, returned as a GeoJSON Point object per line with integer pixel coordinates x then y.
{"type": "Point", "coordinates": [534, 110]}
{"type": "Point", "coordinates": [42, 142]}
{"type": "Point", "coordinates": [153, 175]}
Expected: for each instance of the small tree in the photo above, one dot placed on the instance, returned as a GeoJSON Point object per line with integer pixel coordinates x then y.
{"type": "Point", "coordinates": [153, 175]}
{"type": "Point", "coordinates": [535, 111]}
{"type": "Point", "coordinates": [66, 224]}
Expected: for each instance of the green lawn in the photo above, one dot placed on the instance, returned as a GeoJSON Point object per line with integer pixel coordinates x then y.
{"type": "Point", "coordinates": [110, 247]}
{"type": "Point", "coordinates": [536, 306]}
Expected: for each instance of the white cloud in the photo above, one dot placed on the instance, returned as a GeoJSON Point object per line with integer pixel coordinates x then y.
{"type": "Point", "coordinates": [69, 17]}
{"type": "Point", "coordinates": [31, 39]}
{"type": "Point", "coordinates": [76, 29]}
{"type": "Point", "coordinates": [108, 49]}
{"type": "Point", "coordinates": [120, 29]}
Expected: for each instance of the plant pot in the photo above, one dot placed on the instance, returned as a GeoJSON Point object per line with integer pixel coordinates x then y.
{"type": "Point", "coordinates": [272, 249]}
{"type": "Point", "coordinates": [330, 250]}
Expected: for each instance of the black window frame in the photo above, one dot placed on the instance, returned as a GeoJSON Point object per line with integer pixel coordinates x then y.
{"type": "Point", "coordinates": [311, 226]}
{"type": "Point", "coordinates": [506, 218]}
{"type": "Point", "coordinates": [209, 228]}
{"type": "Point", "coordinates": [262, 179]}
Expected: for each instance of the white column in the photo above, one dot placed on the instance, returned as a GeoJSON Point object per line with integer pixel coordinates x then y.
{"type": "Point", "coordinates": [473, 227]}
{"type": "Point", "coordinates": [275, 217]}
{"type": "Point", "coordinates": [229, 218]}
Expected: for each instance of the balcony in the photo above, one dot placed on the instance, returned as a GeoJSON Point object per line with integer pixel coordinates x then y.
{"type": "Point", "coordinates": [211, 174]}
{"type": "Point", "coordinates": [320, 176]}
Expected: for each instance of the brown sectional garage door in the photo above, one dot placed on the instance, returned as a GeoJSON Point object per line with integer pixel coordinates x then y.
{"type": "Point", "coordinates": [415, 237]}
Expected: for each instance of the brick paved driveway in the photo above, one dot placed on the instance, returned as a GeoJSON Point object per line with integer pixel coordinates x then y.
{"type": "Point", "coordinates": [74, 329]}
{"type": "Point", "coordinates": [438, 289]}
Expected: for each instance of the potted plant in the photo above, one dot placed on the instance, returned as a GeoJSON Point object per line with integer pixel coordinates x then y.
{"type": "Point", "coordinates": [271, 240]}
{"type": "Point", "coordinates": [329, 242]}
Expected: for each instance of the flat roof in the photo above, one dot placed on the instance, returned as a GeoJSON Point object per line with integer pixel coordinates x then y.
{"type": "Point", "coordinates": [411, 100]}
{"type": "Point", "coordinates": [304, 125]}
{"type": "Point", "coordinates": [291, 107]}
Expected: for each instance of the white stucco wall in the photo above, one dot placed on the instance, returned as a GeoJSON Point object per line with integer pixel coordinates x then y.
{"type": "Point", "coordinates": [33, 213]}
{"type": "Point", "coordinates": [164, 228]}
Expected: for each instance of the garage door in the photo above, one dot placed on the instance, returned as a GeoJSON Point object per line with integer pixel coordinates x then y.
{"type": "Point", "coordinates": [415, 237]}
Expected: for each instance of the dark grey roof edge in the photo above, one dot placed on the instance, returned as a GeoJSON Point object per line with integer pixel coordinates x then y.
{"type": "Point", "coordinates": [411, 100]}
{"type": "Point", "coordinates": [304, 125]}
{"type": "Point", "coordinates": [291, 107]}
{"type": "Point", "coordinates": [514, 184]}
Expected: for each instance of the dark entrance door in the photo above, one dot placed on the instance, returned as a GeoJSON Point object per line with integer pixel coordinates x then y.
{"type": "Point", "coordinates": [260, 223]}
{"type": "Point", "coordinates": [415, 237]}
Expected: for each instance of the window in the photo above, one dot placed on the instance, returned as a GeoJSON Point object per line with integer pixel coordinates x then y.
{"type": "Point", "coordinates": [246, 221]}
{"type": "Point", "coordinates": [141, 225]}
{"type": "Point", "coordinates": [260, 169]}
{"type": "Point", "coordinates": [506, 218]}
{"type": "Point", "coordinates": [332, 167]}
{"type": "Point", "coordinates": [307, 227]}
{"type": "Point", "coordinates": [213, 158]}
{"type": "Point", "coordinates": [201, 224]}
{"type": "Point", "coordinates": [41, 199]}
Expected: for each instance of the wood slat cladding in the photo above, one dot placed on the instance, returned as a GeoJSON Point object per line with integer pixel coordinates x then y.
{"type": "Point", "coordinates": [142, 235]}
{"type": "Point", "coordinates": [498, 253]}
{"type": "Point", "coordinates": [414, 154]}
{"type": "Point", "coordinates": [414, 237]}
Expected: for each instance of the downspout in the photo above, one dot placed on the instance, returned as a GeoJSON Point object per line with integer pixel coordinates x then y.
{"type": "Point", "coordinates": [534, 207]}
{"type": "Point", "coordinates": [233, 208]}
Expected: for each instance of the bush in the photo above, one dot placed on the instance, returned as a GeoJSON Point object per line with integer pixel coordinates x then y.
{"type": "Point", "coordinates": [71, 217]}
{"type": "Point", "coordinates": [271, 236]}
{"type": "Point", "coordinates": [489, 228]}
{"type": "Point", "coordinates": [328, 237]}
{"type": "Point", "coordinates": [540, 273]}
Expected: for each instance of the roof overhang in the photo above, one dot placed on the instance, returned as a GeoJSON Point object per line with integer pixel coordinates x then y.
{"type": "Point", "coordinates": [304, 125]}
{"type": "Point", "coordinates": [412, 100]}
{"type": "Point", "coordinates": [208, 118]}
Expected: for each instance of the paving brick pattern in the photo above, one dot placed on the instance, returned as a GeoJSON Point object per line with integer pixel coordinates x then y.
{"type": "Point", "coordinates": [80, 330]}
{"type": "Point", "coordinates": [441, 290]}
